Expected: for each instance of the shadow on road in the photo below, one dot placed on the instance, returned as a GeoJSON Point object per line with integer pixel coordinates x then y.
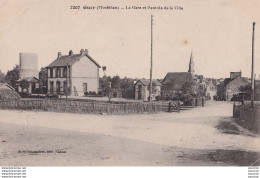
{"type": "Point", "coordinates": [234, 157]}
{"type": "Point", "coordinates": [229, 127]}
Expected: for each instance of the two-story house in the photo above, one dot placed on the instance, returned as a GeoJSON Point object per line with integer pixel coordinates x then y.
{"type": "Point", "coordinates": [75, 73]}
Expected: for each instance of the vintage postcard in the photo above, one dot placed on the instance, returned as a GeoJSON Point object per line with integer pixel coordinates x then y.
{"type": "Point", "coordinates": [129, 83]}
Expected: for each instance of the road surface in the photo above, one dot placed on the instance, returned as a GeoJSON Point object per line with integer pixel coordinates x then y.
{"type": "Point", "coordinates": [202, 136]}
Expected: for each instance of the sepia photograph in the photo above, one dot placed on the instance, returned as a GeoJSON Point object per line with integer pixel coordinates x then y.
{"type": "Point", "coordinates": [169, 83]}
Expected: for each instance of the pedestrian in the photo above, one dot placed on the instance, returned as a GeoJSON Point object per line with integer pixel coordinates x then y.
{"type": "Point", "coordinates": [178, 106]}
{"type": "Point", "coordinates": [203, 101]}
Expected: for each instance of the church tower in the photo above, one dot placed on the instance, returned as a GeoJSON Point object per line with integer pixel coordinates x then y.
{"type": "Point", "coordinates": [191, 65]}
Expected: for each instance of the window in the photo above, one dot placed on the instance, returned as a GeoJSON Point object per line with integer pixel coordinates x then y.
{"type": "Point", "coordinates": [57, 73]}
{"type": "Point", "coordinates": [58, 87]}
{"type": "Point", "coordinates": [51, 72]}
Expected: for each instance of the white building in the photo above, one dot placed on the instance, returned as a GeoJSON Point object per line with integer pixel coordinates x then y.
{"type": "Point", "coordinates": [80, 71]}
{"type": "Point", "coordinates": [28, 73]}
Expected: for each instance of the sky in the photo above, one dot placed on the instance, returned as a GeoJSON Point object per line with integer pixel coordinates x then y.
{"type": "Point", "coordinates": [217, 32]}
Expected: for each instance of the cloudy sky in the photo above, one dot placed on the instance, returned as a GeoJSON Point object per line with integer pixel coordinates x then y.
{"type": "Point", "coordinates": [218, 32]}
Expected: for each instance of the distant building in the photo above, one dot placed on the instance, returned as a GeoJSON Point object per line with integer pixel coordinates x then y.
{"type": "Point", "coordinates": [232, 85]}
{"type": "Point", "coordinates": [142, 89]}
{"type": "Point", "coordinates": [178, 79]}
{"type": "Point", "coordinates": [28, 73]}
{"type": "Point", "coordinates": [211, 90]}
{"type": "Point", "coordinates": [81, 72]}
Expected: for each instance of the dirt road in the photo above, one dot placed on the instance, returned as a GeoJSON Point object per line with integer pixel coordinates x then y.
{"type": "Point", "coordinates": [203, 136]}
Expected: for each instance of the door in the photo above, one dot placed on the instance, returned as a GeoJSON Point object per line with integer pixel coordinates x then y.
{"type": "Point", "coordinates": [33, 87]}
{"type": "Point", "coordinates": [58, 87]}
{"type": "Point", "coordinates": [85, 87]}
{"type": "Point", "coordinates": [51, 87]}
{"type": "Point", "coordinates": [139, 92]}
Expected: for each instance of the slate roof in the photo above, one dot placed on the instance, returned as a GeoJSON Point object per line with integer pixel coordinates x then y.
{"type": "Point", "coordinates": [179, 78]}
{"type": "Point", "coordinates": [5, 84]}
{"type": "Point", "coordinates": [70, 60]}
{"type": "Point", "coordinates": [228, 80]}
{"type": "Point", "coordinates": [29, 79]}
{"type": "Point", "coordinates": [146, 82]}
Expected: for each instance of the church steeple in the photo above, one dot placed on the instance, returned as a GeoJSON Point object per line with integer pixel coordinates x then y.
{"type": "Point", "coordinates": [191, 65]}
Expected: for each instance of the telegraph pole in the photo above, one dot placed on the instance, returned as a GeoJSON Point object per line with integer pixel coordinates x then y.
{"type": "Point", "coordinates": [151, 68]}
{"type": "Point", "coordinates": [252, 70]}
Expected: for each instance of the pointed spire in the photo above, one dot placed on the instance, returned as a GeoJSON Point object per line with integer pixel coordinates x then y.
{"type": "Point", "coordinates": [191, 65]}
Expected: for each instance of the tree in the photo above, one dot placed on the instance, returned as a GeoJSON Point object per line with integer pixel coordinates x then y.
{"type": "Point", "coordinates": [187, 89]}
{"type": "Point", "coordinates": [43, 76]}
{"type": "Point", "coordinates": [2, 77]}
{"type": "Point", "coordinates": [115, 82]}
{"type": "Point", "coordinates": [127, 87]}
{"type": "Point", "coordinates": [12, 76]}
{"type": "Point", "coordinates": [168, 87]}
{"type": "Point", "coordinates": [247, 91]}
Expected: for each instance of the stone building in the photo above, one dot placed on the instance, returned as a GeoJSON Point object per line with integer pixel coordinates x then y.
{"type": "Point", "coordinates": [178, 79]}
{"type": "Point", "coordinates": [76, 73]}
{"type": "Point", "coordinates": [142, 89]}
{"type": "Point", "coordinates": [232, 85]}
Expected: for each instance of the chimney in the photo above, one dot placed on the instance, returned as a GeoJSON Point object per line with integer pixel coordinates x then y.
{"type": "Point", "coordinates": [70, 53]}
{"type": "Point", "coordinates": [83, 52]}
{"type": "Point", "coordinates": [59, 55]}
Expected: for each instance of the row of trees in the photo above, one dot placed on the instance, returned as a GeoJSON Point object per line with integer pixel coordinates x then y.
{"type": "Point", "coordinates": [116, 85]}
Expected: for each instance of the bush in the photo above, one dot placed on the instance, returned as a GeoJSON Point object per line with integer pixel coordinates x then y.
{"type": "Point", "coordinates": [52, 96]}
{"type": "Point", "coordinates": [158, 98]}
{"type": "Point", "coordinates": [6, 94]}
{"type": "Point", "coordinates": [24, 95]}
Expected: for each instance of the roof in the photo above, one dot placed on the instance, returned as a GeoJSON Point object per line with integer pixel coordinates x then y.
{"type": "Point", "coordinates": [6, 94]}
{"type": "Point", "coordinates": [179, 78]}
{"type": "Point", "coordinates": [4, 85]}
{"type": "Point", "coordinates": [70, 60]}
{"type": "Point", "coordinates": [229, 80]}
{"type": "Point", "coordinates": [29, 79]}
{"type": "Point", "coordinates": [146, 82]}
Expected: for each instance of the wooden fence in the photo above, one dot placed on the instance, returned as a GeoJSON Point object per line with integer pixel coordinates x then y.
{"type": "Point", "coordinates": [84, 106]}
{"type": "Point", "coordinates": [247, 117]}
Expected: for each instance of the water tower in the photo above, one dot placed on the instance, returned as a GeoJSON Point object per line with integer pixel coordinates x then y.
{"type": "Point", "coordinates": [29, 65]}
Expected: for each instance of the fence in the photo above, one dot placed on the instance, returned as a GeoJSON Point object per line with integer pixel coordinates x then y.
{"type": "Point", "coordinates": [247, 117]}
{"type": "Point", "coordinates": [83, 106]}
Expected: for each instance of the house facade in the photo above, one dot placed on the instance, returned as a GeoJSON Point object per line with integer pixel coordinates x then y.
{"type": "Point", "coordinates": [74, 74]}
{"type": "Point", "coordinates": [211, 90]}
{"type": "Point", "coordinates": [142, 89]}
{"type": "Point", "coordinates": [232, 85]}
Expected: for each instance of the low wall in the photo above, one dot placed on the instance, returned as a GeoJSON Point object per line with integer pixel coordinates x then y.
{"type": "Point", "coordinates": [247, 117]}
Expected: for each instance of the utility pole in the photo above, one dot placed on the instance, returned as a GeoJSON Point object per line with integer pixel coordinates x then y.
{"type": "Point", "coordinates": [151, 68]}
{"type": "Point", "coordinates": [252, 70]}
